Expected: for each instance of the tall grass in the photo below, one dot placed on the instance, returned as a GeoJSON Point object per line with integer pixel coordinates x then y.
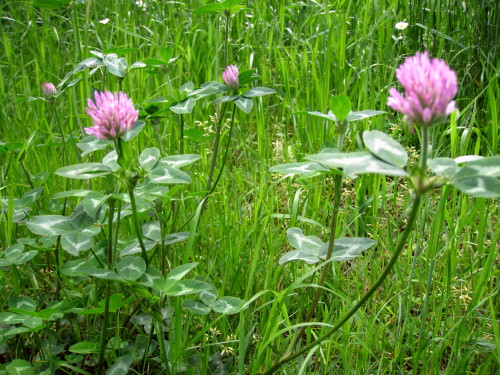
{"type": "Point", "coordinates": [438, 313]}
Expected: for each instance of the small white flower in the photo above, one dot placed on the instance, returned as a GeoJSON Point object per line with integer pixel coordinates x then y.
{"type": "Point", "coordinates": [401, 25]}
{"type": "Point", "coordinates": [104, 21]}
{"type": "Point", "coordinates": [141, 4]}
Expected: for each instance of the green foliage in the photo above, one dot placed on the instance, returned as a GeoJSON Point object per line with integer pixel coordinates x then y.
{"type": "Point", "coordinates": [437, 312]}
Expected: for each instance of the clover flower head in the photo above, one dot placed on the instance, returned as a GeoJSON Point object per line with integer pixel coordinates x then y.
{"type": "Point", "coordinates": [429, 85]}
{"type": "Point", "coordinates": [113, 114]}
{"type": "Point", "coordinates": [48, 89]}
{"type": "Point", "coordinates": [401, 25]}
{"type": "Point", "coordinates": [230, 77]}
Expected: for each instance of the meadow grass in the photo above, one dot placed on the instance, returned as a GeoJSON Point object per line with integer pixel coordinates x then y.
{"type": "Point", "coordinates": [437, 312]}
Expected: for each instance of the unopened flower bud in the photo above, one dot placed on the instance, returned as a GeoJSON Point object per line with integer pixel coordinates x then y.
{"type": "Point", "coordinates": [48, 89]}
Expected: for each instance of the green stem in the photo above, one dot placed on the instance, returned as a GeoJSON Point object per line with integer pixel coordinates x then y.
{"type": "Point", "coordinates": [136, 225]}
{"type": "Point", "coordinates": [331, 244]}
{"type": "Point", "coordinates": [181, 142]}
{"type": "Point", "coordinates": [226, 151]}
{"type": "Point", "coordinates": [161, 338]}
{"type": "Point", "coordinates": [108, 287]}
{"type": "Point", "coordinates": [399, 248]}
{"type": "Point", "coordinates": [226, 41]}
{"type": "Point", "coordinates": [326, 267]}
{"type": "Point", "coordinates": [425, 148]}
{"type": "Point", "coordinates": [216, 149]}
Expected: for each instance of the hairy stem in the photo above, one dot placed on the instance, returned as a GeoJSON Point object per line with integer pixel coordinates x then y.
{"type": "Point", "coordinates": [216, 149]}
{"type": "Point", "coordinates": [136, 225]}
{"type": "Point", "coordinates": [226, 151]}
{"type": "Point", "coordinates": [399, 248]}
{"type": "Point", "coordinates": [326, 267]}
{"type": "Point", "coordinates": [108, 287]}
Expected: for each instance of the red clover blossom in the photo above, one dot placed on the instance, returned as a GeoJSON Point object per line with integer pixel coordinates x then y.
{"type": "Point", "coordinates": [230, 77]}
{"type": "Point", "coordinates": [430, 86]}
{"type": "Point", "coordinates": [48, 89]}
{"type": "Point", "coordinates": [113, 114]}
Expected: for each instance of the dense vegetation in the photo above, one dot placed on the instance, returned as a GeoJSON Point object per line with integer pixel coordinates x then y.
{"type": "Point", "coordinates": [437, 310]}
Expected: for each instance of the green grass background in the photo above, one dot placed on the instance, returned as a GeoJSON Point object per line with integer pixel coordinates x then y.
{"type": "Point", "coordinates": [438, 312]}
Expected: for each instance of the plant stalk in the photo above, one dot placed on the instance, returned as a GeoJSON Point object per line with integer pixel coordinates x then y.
{"type": "Point", "coordinates": [216, 149]}
{"type": "Point", "coordinates": [399, 248]}
{"type": "Point", "coordinates": [226, 151]}
{"type": "Point", "coordinates": [326, 267]}
{"type": "Point", "coordinates": [136, 225]}
{"type": "Point", "coordinates": [108, 287]}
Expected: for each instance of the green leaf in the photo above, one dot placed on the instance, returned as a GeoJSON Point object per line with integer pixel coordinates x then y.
{"type": "Point", "coordinates": [115, 65]}
{"type": "Point", "coordinates": [444, 167]}
{"type": "Point", "coordinates": [177, 273]}
{"type": "Point", "coordinates": [11, 318]}
{"type": "Point", "coordinates": [20, 367]}
{"type": "Point", "coordinates": [153, 278]}
{"type": "Point", "coordinates": [50, 225]}
{"type": "Point", "coordinates": [23, 303]}
{"type": "Point", "coordinates": [176, 237]}
{"type": "Point", "coordinates": [330, 116]}
{"type": "Point", "coordinates": [132, 133]}
{"type": "Point", "coordinates": [135, 247]}
{"type": "Point", "coordinates": [148, 158]}
{"type": "Point", "coordinates": [209, 296]}
{"type": "Point", "coordinates": [100, 273]}
{"type": "Point", "coordinates": [340, 106]}
{"type": "Point", "coordinates": [24, 257]}
{"type": "Point", "coordinates": [93, 203]}
{"type": "Point", "coordinates": [478, 186]}
{"type": "Point", "coordinates": [185, 287]}
{"type": "Point", "coordinates": [152, 230]}
{"type": "Point", "coordinates": [187, 87]}
{"type": "Point", "coordinates": [179, 161]}
{"type": "Point", "coordinates": [111, 161]}
{"type": "Point", "coordinates": [489, 166]}
{"type": "Point", "coordinates": [166, 53]}
{"type": "Point", "coordinates": [121, 366]}
{"type": "Point", "coordinates": [76, 242]}
{"type": "Point", "coordinates": [72, 267]}
{"type": "Point", "coordinates": [244, 104]}
{"type": "Point", "coordinates": [184, 107]}
{"type": "Point", "coordinates": [168, 175]}
{"type": "Point", "coordinates": [84, 171]}
{"type": "Point", "coordinates": [361, 115]}
{"type": "Point", "coordinates": [31, 196]}
{"type": "Point", "coordinates": [91, 143]}
{"type": "Point", "coordinates": [137, 65]}
{"type": "Point", "coordinates": [299, 168]}
{"type": "Point", "coordinates": [356, 163]}
{"type": "Point", "coordinates": [385, 148]}
{"type": "Point", "coordinates": [131, 268]}
{"type": "Point", "coordinates": [298, 240]}
{"type": "Point", "coordinates": [299, 255]}
{"type": "Point", "coordinates": [80, 219]}
{"type": "Point", "coordinates": [195, 306]}
{"type": "Point", "coordinates": [84, 347]}
{"type": "Point", "coordinates": [258, 91]}
{"type": "Point", "coordinates": [348, 248]}
{"type": "Point", "coordinates": [224, 99]}
{"type": "Point", "coordinates": [155, 62]}
{"type": "Point", "coordinates": [217, 7]}
{"type": "Point", "coordinates": [228, 305]}
{"type": "Point", "coordinates": [88, 63]}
